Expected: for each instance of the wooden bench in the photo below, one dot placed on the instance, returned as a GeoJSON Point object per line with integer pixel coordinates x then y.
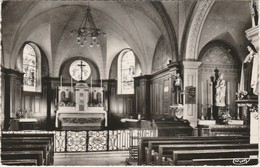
{"type": "Point", "coordinates": [144, 142]}
{"type": "Point", "coordinates": [225, 161]}
{"type": "Point", "coordinates": [185, 157]}
{"type": "Point", "coordinates": [22, 162]}
{"type": "Point", "coordinates": [38, 147]}
{"type": "Point", "coordinates": [153, 145]}
{"type": "Point", "coordinates": [34, 143]}
{"type": "Point", "coordinates": [35, 136]}
{"type": "Point", "coordinates": [13, 155]}
{"type": "Point", "coordinates": [167, 150]}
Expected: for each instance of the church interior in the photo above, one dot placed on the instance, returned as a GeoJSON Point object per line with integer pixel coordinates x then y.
{"type": "Point", "coordinates": [129, 82]}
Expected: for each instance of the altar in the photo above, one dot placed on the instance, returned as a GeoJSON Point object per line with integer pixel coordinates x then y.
{"type": "Point", "coordinates": [80, 108]}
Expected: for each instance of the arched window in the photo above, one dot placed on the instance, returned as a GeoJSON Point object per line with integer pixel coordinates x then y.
{"type": "Point", "coordinates": [126, 72]}
{"type": "Point", "coordinates": [31, 66]}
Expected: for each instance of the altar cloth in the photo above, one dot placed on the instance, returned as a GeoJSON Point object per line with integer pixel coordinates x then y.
{"type": "Point", "coordinates": [79, 118]}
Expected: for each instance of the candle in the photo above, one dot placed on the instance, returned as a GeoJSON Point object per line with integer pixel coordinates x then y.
{"type": "Point", "coordinates": [91, 84]}
{"type": "Point", "coordinates": [207, 92]}
{"type": "Point", "coordinates": [202, 93]}
{"type": "Point", "coordinates": [71, 83]}
{"type": "Point", "coordinates": [101, 92]}
{"type": "Point", "coordinates": [61, 80]}
{"type": "Point", "coordinates": [211, 94]}
{"type": "Point", "coordinates": [228, 94]}
{"type": "Point", "coordinates": [101, 83]}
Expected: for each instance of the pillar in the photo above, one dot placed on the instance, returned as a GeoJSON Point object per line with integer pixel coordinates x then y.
{"type": "Point", "coordinates": [142, 95]}
{"type": "Point", "coordinates": [13, 94]}
{"type": "Point", "coordinates": [190, 79]}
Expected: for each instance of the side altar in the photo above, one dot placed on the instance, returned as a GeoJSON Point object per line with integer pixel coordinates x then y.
{"type": "Point", "coordinates": [80, 108]}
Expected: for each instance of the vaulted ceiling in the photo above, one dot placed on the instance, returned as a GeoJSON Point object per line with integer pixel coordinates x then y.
{"type": "Point", "coordinates": [129, 24]}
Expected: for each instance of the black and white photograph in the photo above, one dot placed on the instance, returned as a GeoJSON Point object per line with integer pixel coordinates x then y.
{"type": "Point", "coordinates": [129, 82]}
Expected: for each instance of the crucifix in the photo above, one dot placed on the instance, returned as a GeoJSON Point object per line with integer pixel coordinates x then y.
{"type": "Point", "coordinates": [81, 68]}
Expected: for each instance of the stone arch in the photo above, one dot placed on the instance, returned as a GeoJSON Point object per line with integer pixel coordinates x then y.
{"type": "Point", "coordinates": [161, 55]}
{"type": "Point", "coordinates": [221, 56]}
{"type": "Point", "coordinates": [196, 28]}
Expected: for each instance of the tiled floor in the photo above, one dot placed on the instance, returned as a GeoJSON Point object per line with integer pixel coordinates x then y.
{"type": "Point", "coordinates": [113, 158]}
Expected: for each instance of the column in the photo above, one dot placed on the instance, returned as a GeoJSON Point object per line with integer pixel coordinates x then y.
{"type": "Point", "coordinates": [142, 95]}
{"type": "Point", "coordinates": [49, 99]}
{"type": "Point", "coordinates": [13, 94]}
{"type": "Point", "coordinates": [190, 72]}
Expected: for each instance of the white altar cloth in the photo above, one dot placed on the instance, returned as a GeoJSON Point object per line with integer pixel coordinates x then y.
{"type": "Point", "coordinates": [92, 110]}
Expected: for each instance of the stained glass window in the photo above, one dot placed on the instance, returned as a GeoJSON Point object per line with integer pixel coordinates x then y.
{"type": "Point", "coordinates": [126, 73]}
{"type": "Point", "coordinates": [29, 68]}
{"type": "Point", "coordinates": [78, 69]}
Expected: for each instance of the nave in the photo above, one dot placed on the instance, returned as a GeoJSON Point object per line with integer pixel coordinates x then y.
{"type": "Point", "coordinates": [165, 82]}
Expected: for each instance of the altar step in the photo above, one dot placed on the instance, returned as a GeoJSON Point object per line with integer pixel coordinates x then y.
{"type": "Point", "coordinates": [108, 158]}
{"type": "Point", "coordinates": [131, 162]}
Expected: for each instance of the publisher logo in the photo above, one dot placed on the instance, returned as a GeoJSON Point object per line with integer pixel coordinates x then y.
{"type": "Point", "coordinates": [240, 161]}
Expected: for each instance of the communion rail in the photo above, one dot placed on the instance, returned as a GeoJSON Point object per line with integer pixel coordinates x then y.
{"type": "Point", "coordinates": [94, 141]}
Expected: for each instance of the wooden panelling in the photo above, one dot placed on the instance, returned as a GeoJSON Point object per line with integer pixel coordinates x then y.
{"type": "Point", "coordinates": [37, 108]}
{"type": "Point", "coordinates": [160, 94]}
{"type": "Point", "coordinates": [129, 105]}
{"type": "Point", "coordinates": [120, 106]}
{"type": "Point", "coordinates": [27, 102]}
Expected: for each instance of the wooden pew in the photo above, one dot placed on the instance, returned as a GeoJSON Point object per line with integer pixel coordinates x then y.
{"type": "Point", "coordinates": [185, 157]}
{"type": "Point", "coordinates": [22, 162]}
{"type": "Point", "coordinates": [154, 145]}
{"type": "Point", "coordinates": [225, 161]}
{"type": "Point", "coordinates": [13, 155]}
{"type": "Point", "coordinates": [38, 147]}
{"type": "Point", "coordinates": [33, 143]}
{"type": "Point", "coordinates": [144, 142]}
{"type": "Point", "coordinates": [167, 150]}
{"type": "Point", "coordinates": [35, 136]}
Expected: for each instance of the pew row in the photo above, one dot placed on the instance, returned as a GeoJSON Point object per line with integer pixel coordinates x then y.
{"type": "Point", "coordinates": [14, 155]}
{"type": "Point", "coordinates": [26, 143]}
{"type": "Point", "coordinates": [225, 161]}
{"type": "Point", "coordinates": [153, 146]}
{"type": "Point", "coordinates": [165, 151]}
{"type": "Point", "coordinates": [185, 157]}
{"type": "Point", "coordinates": [23, 162]}
{"type": "Point", "coordinates": [144, 142]}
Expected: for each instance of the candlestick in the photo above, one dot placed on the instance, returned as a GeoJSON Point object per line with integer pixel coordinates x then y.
{"type": "Point", "coordinates": [202, 115]}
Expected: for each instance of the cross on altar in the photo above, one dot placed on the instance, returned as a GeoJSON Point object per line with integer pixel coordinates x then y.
{"type": "Point", "coordinates": [81, 68]}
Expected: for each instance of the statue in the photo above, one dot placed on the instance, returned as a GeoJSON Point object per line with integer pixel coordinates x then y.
{"type": "Point", "coordinates": [19, 113]}
{"type": "Point", "coordinates": [220, 91]}
{"type": "Point", "coordinates": [178, 87]}
{"type": "Point", "coordinates": [249, 72]}
{"type": "Point", "coordinates": [254, 12]}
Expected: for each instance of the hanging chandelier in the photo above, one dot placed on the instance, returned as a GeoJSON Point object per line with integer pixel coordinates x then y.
{"type": "Point", "coordinates": [88, 31]}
